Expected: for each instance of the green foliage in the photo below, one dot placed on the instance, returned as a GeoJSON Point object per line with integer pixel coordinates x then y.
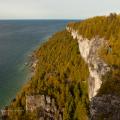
{"type": "Point", "coordinates": [80, 113]}
{"type": "Point", "coordinates": [60, 73]}
{"type": "Point", "coordinates": [111, 83]}
{"type": "Point", "coordinates": [103, 26]}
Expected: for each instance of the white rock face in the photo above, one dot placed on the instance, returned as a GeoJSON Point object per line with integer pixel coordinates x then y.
{"type": "Point", "coordinates": [89, 52]}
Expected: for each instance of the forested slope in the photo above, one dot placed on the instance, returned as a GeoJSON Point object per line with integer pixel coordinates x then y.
{"type": "Point", "coordinates": [60, 73]}
{"type": "Point", "coordinates": [107, 27]}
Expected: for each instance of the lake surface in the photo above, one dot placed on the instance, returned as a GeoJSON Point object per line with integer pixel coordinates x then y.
{"type": "Point", "coordinates": [18, 39]}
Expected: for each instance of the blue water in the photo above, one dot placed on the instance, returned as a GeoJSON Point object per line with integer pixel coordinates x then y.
{"type": "Point", "coordinates": [18, 39]}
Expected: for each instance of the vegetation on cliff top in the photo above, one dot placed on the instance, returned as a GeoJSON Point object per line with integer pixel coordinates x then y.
{"type": "Point", "coordinates": [60, 73]}
{"type": "Point", "coordinates": [107, 27]}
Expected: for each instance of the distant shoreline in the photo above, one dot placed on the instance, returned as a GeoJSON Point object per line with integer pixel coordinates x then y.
{"type": "Point", "coordinates": [28, 42]}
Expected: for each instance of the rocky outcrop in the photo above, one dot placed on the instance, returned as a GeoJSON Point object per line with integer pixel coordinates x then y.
{"type": "Point", "coordinates": [97, 67]}
{"type": "Point", "coordinates": [105, 107]}
{"type": "Point", "coordinates": [45, 106]}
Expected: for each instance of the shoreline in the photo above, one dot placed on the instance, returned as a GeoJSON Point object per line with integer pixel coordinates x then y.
{"type": "Point", "coordinates": [31, 66]}
{"type": "Point", "coordinates": [32, 63]}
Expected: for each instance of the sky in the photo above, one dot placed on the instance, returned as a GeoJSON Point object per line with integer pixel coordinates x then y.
{"type": "Point", "coordinates": [56, 9]}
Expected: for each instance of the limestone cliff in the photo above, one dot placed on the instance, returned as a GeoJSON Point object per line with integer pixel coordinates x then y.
{"type": "Point", "coordinates": [106, 106]}
{"type": "Point", "coordinates": [89, 52]}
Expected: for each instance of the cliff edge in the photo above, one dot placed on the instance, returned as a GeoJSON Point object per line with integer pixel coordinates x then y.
{"type": "Point", "coordinates": [89, 52]}
{"type": "Point", "coordinates": [99, 44]}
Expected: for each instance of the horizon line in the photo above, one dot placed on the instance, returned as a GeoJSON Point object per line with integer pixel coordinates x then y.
{"type": "Point", "coordinates": [42, 19]}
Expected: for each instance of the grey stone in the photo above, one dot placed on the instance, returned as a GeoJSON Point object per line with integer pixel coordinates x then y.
{"type": "Point", "coordinates": [107, 106]}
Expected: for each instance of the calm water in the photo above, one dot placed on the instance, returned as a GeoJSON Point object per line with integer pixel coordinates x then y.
{"type": "Point", "coordinates": [17, 40]}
